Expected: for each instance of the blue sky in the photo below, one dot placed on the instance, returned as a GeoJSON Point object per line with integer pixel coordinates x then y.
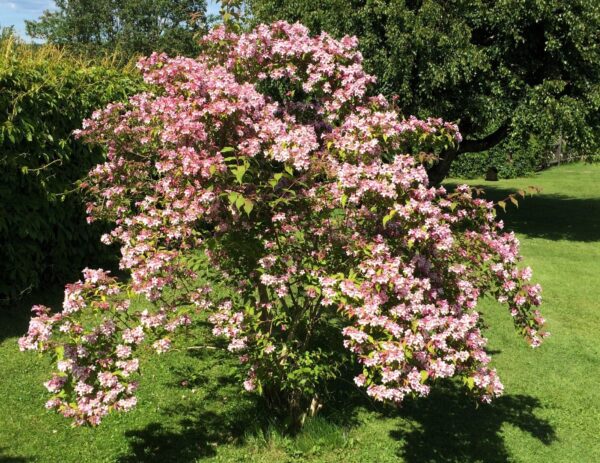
{"type": "Point", "coordinates": [15, 12]}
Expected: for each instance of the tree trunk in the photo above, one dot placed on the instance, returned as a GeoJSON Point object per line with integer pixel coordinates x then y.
{"type": "Point", "coordinates": [439, 171]}
{"type": "Point", "coordinates": [292, 407]}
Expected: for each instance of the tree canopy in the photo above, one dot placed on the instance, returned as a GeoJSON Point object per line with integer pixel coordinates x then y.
{"type": "Point", "coordinates": [495, 67]}
{"type": "Point", "coordinates": [132, 26]}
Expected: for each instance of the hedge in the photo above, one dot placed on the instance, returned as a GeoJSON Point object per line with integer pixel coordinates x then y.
{"type": "Point", "coordinates": [44, 96]}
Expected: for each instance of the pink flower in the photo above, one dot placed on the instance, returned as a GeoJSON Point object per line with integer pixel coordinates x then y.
{"type": "Point", "coordinates": [360, 380]}
{"type": "Point", "coordinates": [269, 349]}
{"type": "Point", "coordinates": [162, 345]}
{"type": "Point", "coordinates": [123, 351]}
{"type": "Point", "coordinates": [237, 344]}
{"type": "Point", "coordinates": [56, 384]}
{"type": "Point", "coordinates": [127, 404]}
{"type": "Point", "coordinates": [108, 379]}
{"type": "Point", "coordinates": [133, 336]}
{"type": "Point", "coordinates": [250, 385]}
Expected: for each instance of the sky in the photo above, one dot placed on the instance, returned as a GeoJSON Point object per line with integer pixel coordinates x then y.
{"type": "Point", "coordinates": [15, 12]}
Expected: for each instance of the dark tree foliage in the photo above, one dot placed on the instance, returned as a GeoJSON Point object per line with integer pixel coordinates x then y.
{"type": "Point", "coordinates": [506, 70]}
{"type": "Point", "coordinates": [131, 26]}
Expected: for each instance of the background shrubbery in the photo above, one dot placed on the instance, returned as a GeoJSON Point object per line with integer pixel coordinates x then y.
{"type": "Point", "coordinates": [45, 96]}
{"type": "Point", "coordinates": [475, 165]}
{"type": "Point", "coordinates": [549, 130]}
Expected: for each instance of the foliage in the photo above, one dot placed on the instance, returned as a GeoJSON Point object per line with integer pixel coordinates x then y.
{"type": "Point", "coordinates": [500, 69]}
{"type": "Point", "coordinates": [45, 94]}
{"type": "Point", "coordinates": [266, 155]}
{"type": "Point", "coordinates": [131, 26]}
{"type": "Point", "coordinates": [520, 163]}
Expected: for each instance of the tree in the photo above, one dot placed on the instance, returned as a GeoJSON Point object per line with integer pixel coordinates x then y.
{"type": "Point", "coordinates": [486, 64]}
{"type": "Point", "coordinates": [132, 26]}
{"type": "Point", "coordinates": [265, 162]}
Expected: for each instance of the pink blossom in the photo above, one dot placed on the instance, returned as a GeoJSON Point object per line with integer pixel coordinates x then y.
{"type": "Point", "coordinates": [133, 336]}
{"type": "Point", "coordinates": [162, 345]}
{"type": "Point", "coordinates": [56, 384]}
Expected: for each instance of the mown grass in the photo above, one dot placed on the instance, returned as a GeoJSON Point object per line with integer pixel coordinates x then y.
{"type": "Point", "coordinates": [191, 407]}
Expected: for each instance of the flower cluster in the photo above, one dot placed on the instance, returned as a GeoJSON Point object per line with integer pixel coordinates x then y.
{"type": "Point", "coordinates": [95, 365]}
{"type": "Point", "coordinates": [267, 155]}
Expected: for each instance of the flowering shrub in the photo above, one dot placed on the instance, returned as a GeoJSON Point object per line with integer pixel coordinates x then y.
{"type": "Point", "coordinates": [266, 155]}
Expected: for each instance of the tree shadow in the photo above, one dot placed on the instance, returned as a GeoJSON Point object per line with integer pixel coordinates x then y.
{"type": "Point", "coordinates": [8, 459]}
{"type": "Point", "coordinates": [449, 427]}
{"type": "Point", "coordinates": [198, 436]}
{"type": "Point", "coordinates": [218, 414]}
{"type": "Point", "coordinates": [221, 414]}
{"type": "Point", "coordinates": [549, 216]}
{"type": "Point", "coordinates": [201, 431]}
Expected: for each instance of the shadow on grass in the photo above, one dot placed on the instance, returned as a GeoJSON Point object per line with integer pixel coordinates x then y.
{"type": "Point", "coordinates": [216, 413]}
{"type": "Point", "coordinates": [200, 432]}
{"type": "Point", "coordinates": [448, 427]}
{"type": "Point", "coordinates": [7, 459]}
{"type": "Point", "coordinates": [220, 413]}
{"type": "Point", "coordinates": [552, 217]}
{"type": "Point", "coordinates": [199, 435]}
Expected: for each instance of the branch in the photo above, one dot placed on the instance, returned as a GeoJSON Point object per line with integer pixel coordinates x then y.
{"type": "Point", "coordinates": [195, 348]}
{"type": "Point", "coordinates": [485, 143]}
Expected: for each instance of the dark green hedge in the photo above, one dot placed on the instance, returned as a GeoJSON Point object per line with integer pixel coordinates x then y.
{"type": "Point", "coordinates": [44, 96]}
{"type": "Point", "coordinates": [510, 163]}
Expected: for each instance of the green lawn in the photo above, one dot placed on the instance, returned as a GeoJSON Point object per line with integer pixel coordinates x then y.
{"type": "Point", "coordinates": [550, 411]}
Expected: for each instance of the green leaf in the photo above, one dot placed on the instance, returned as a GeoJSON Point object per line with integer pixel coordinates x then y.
{"type": "Point", "coordinates": [233, 197]}
{"type": "Point", "coordinates": [248, 206]}
{"type": "Point", "coordinates": [60, 353]}
{"type": "Point", "coordinates": [414, 325]}
{"type": "Point", "coordinates": [344, 201]}
{"type": "Point", "coordinates": [239, 173]}
{"type": "Point", "coordinates": [239, 202]}
{"type": "Point", "coordinates": [389, 217]}
{"type": "Point", "coordinates": [470, 382]}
